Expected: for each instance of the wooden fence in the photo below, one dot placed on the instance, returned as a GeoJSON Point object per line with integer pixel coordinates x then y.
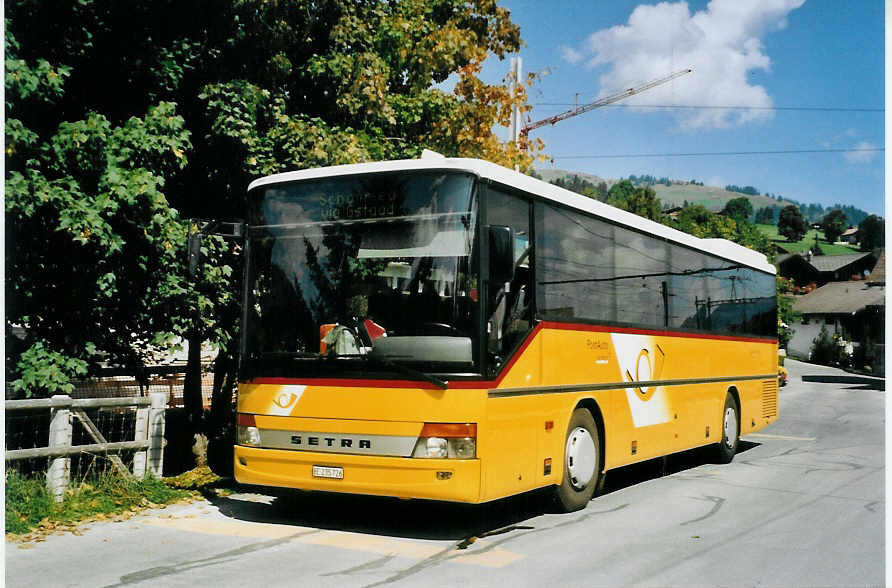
{"type": "Point", "coordinates": [148, 439]}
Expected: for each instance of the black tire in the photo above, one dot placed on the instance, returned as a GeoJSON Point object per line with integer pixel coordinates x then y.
{"type": "Point", "coordinates": [581, 463]}
{"type": "Point", "coordinates": [727, 447]}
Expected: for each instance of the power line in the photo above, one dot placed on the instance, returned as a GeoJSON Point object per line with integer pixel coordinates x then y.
{"type": "Point", "coordinates": [716, 153]}
{"type": "Point", "coordinates": [707, 107]}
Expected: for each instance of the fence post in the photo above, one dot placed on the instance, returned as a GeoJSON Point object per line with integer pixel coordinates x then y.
{"type": "Point", "coordinates": [59, 472]}
{"type": "Point", "coordinates": [141, 434]}
{"type": "Point", "coordinates": [155, 452]}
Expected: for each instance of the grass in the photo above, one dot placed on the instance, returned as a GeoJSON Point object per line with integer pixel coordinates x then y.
{"type": "Point", "coordinates": [31, 512]}
{"type": "Point", "coordinates": [807, 242]}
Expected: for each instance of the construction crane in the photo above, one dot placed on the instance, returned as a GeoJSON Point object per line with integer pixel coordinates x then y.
{"type": "Point", "coordinates": [601, 102]}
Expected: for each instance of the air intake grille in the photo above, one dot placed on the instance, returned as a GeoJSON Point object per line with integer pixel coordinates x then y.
{"type": "Point", "coordinates": [769, 398]}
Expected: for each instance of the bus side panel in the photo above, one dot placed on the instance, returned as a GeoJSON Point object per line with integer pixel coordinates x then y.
{"type": "Point", "coordinates": [577, 357]}
{"type": "Point", "coordinates": [509, 446]}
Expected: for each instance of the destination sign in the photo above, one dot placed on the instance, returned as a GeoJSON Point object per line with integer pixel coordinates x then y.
{"type": "Point", "coordinates": [357, 206]}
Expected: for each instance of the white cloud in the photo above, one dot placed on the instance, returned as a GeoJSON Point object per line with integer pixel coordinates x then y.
{"type": "Point", "coordinates": [864, 153]}
{"type": "Point", "coordinates": [571, 55]}
{"type": "Point", "coordinates": [721, 43]}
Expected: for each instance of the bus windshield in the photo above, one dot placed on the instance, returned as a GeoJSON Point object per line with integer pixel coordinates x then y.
{"type": "Point", "coordinates": [358, 275]}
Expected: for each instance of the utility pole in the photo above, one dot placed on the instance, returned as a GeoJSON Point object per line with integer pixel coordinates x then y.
{"type": "Point", "coordinates": [516, 123]}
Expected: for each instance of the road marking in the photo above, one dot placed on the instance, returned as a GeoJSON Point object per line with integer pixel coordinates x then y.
{"type": "Point", "coordinates": [491, 558]}
{"type": "Point", "coordinates": [779, 437]}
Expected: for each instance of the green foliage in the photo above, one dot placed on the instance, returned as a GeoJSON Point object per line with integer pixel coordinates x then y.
{"type": "Point", "coordinates": [27, 502]}
{"type": "Point", "coordinates": [94, 252]}
{"type": "Point", "coordinates": [791, 224]}
{"type": "Point", "coordinates": [871, 233]}
{"type": "Point", "coordinates": [698, 221]}
{"type": "Point", "coordinates": [738, 208]}
{"type": "Point", "coordinates": [125, 118]}
{"type": "Point", "coordinates": [44, 372]}
{"type": "Point", "coordinates": [767, 215]}
{"type": "Point", "coordinates": [826, 349]}
{"type": "Point", "coordinates": [807, 243]}
{"type": "Point", "coordinates": [582, 186]}
{"type": "Point", "coordinates": [620, 192]}
{"type": "Point", "coordinates": [29, 505]}
{"type": "Point", "coordinates": [833, 224]}
{"type": "Point", "coordinates": [642, 201]}
{"type": "Point", "coordinates": [786, 316]}
{"type": "Point", "coordinates": [743, 190]}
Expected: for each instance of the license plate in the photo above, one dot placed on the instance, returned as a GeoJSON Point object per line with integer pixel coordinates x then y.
{"type": "Point", "coordinates": [328, 472]}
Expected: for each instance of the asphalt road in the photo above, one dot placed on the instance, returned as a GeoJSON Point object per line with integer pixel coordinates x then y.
{"type": "Point", "coordinates": [802, 504]}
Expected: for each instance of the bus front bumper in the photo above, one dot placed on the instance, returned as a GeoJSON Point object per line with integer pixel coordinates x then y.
{"type": "Point", "coordinates": [456, 480]}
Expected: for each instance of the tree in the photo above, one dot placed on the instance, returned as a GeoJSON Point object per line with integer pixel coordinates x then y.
{"type": "Point", "coordinates": [642, 201]}
{"type": "Point", "coordinates": [93, 250]}
{"type": "Point", "coordinates": [619, 192]}
{"type": "Point", "coordinates": [791, 224]}
{"type": "Point", "coordinates": [766, 215]}
{"type": "Point", "coordinates": [696, 220]}
{"type": "Point", "coordinates": [738, 208]}
{"type": "Point", "coordinates": [833, 224]}
{"type": "Point", "coordinates": [195, 103]}
{"type": "Point", "coordinates": [871, 233]}
{"type": "Point", "coordinates": [786, 316]}
{"type": "Point", "coordinates": [692, 217]}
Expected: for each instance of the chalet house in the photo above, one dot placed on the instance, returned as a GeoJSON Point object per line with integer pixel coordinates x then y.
{"type": "Point", "coordinates": [850, 236]}
{"type": "Point", "coordinates": [853, 309]}
{"type": "Point", "coordinates": [822, 269]}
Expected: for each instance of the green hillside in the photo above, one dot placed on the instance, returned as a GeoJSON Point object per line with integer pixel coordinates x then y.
{"type": "Point", "coordinates": [808, 242]}
{"type": "Point", "coordinates": [713, 198]}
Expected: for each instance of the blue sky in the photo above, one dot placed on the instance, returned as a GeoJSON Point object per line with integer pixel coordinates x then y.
{"type": "Point", "coordinates": [777, 59]}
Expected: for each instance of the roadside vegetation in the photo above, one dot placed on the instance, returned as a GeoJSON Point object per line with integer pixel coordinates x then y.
{"type": "Point", "coordinates": [31, 513]}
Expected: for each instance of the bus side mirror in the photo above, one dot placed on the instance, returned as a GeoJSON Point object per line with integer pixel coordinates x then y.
{"type": "Point", "coordinates": [501, 254]}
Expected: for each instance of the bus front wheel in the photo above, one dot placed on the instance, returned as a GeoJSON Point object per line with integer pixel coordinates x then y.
{"type": "Point", "coordinates": [581, 463]}
{"type": "Point", "coordinates": [727, 447]}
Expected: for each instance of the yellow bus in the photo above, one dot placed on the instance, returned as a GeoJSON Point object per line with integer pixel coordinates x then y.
{"type": "Point", "coordinates": [449, 329]}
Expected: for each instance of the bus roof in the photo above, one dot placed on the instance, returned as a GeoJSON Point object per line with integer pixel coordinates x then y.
{"type": "Point", "coordinates": [502, 175]}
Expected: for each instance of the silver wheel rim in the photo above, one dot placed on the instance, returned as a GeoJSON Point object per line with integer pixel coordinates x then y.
{"type": "Point", "coordinates": [730, 426]}
{"type": "Point", "coordinates": [581, 457]}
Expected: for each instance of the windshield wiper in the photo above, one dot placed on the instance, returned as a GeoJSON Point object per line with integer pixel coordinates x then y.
{"type": "Point", "coordinates": [290, 355]}
{"type": "Point", "coordinates": [414, 374]}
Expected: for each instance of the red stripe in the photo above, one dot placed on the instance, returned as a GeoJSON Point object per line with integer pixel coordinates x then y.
{"type": "Point", "coordinates": [478, 383]}
{"type": "Point", "coordinates": [347, 383]}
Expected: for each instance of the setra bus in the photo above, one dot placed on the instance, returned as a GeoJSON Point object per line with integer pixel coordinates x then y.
{"type": "Point", "coordinates": [450, 329]}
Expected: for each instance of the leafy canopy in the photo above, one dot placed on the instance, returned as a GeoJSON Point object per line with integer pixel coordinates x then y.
{"type": "Point", "coordinates": [124, 119]}
{"type": "Point", "coordinates": [791, 224]}
{"type": "Point", "coordinates": [871, 233]}
{"type": "Point", "coordinates": [833, 224]}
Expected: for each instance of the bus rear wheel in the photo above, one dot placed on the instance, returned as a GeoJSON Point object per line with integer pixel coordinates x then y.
{"type": "Point", "coordinates": [727, 447]}
{"type": "Point", "coordinates": [581, 463]}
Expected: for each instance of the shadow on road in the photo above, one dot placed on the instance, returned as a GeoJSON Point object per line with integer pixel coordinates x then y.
{"type": "Point", "coordinates": [424, 519]}
{"type": "Point", "coordinates": [631, 475]}
{"type": "Point", "coordinates": [862, 382]}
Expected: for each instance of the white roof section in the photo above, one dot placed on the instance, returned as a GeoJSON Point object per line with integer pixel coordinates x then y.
{"type": "Point", "coordinates": [490, 171]}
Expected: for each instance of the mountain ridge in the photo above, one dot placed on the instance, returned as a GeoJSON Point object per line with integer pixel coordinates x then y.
{"type": "Point", "coordinates": [675, 195]}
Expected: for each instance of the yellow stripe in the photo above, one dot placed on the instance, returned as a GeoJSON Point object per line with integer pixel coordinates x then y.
{"type": "Point", "coordinates": [493, 558]}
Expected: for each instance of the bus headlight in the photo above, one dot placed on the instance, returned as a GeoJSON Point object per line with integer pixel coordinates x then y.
{"type": "Point", "coordinates": [447, 440]}
{"type": "Point", "coordinates": [247, 432]}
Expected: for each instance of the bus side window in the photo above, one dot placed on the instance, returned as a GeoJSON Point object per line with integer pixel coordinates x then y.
{"type": "Point", "coordinates": [509, 308]}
